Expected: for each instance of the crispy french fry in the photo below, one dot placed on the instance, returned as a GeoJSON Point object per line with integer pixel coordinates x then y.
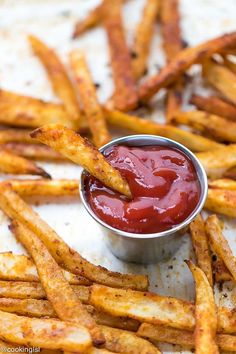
{"type": "Point", "coordinates": [21, 268]}
{"type": "Point", "coordinates": [16, 165]}
{"type": "Point", "coordinates": [182, 62]}
{"type": "Point", "coordinates": [32, 151]}
{"type": "Point", "coordinates": [16, 135]}
{"type": "Point", "coordinates": [231, 65]}
{"type": "Point", "coordinates": [221, 78]}
{"type": "Point", "coordinates": [143, 126]}
{"type": "Point", "coordinates": [221, 201]}
{"type": "Point", "coordinates": [220, 271]}
{"type": "Point", "coordinates": [208, 123]}
{"type": "Point", "coordinates": [174, 100]}
{"type": "Point", "coordinates": [23, 111]}
{"type": "Point", "coordinates": [64, 255]}
{"type": "Point", "coordinates": [88, 98]}
{"type": "Point", "coordinates": [214, 105]}
{"type": "Point", "coordinates": [205, 314]}
{"type": "Point", "coordinates": [65, 302]}
{"type": "Point", "coordinates": [58, 76]}
{"type": "Point", "coordinates": [44, 187]}
{"type": "Point", "coordinates": [44, 333]}
{"type": "Point", "coordinates": [220, 244]}
{"type": "Point", "coordinates": [80, 151]}
{"type": "Point", "coordinates": [217, 162]}
{"type": "Point", "coordinates": [143, 37]}
{"type": "Point", "coordinates": [125, 96]}
{"type": "Point", "coordinates": [223, 183]}
{"type": "Point", "coordinates": [182, 337]}
{"type": "Point", "coordinates": [201, 247]}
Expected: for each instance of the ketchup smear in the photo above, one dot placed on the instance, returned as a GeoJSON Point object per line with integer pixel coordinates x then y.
{"type": "Point", "coordinates": [163, 183]}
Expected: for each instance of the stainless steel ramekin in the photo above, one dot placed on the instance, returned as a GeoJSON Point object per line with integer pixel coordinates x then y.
{"type": "Point", "coordinates": [147, 248]}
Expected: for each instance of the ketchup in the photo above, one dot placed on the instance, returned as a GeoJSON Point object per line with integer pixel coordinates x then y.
{"type": "Point", "coordinates": [163, 182]}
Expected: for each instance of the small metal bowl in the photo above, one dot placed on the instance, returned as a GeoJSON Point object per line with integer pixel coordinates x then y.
{"type": "Point", "coordinates": [147, 248]}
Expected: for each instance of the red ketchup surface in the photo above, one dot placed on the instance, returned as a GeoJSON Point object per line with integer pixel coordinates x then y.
{"type": "Point", "coordinates": [164, 186]}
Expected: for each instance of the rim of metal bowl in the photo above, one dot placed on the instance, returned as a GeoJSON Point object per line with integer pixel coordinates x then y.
{"type": "Point", "coordinates": [159, 140]}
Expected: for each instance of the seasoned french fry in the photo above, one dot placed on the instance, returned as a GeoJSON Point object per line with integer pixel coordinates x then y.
{"type": "Point", "coordinates": [80, 151]}
{"type": "Point", "coordinates": [65, 302]}
{"type": "Point", "coordinates": [125, 96]}
{"type": "Point", "coordinates": [181, 337]}
{"type": "Point", "coordinates": [187, 57]}
{"type": "Point", "coordinates": [16, 165]}
{"type": "Point", "coordinates": [143, 126]}
{"type": "Point", "coordinates": [44, 333]}
{"type": "Point", "coordinates": [221, 201]}
{"type": "Point", "coordinates": [44, 187]}
{"type": "Point", "coordinates": [23, 111]}
{"type": "Point", "coordinates": [221, 78]}
{"type": "Point", "coordinates": [68, 258]}
{"type": "Point", "coordinates": [220, 271]}
{"type": "Point", "coordinates": [214, 105]}
{"type": "Point", "coordinates": [16, 135]}
{"type": "Point", "coordinates": [58, 76]}
{"type": "Point", "coordinates": [208, 123]}
{"type": "Point", "coordinates": [217, 162]}
{"type": "Point", "coordinates": [220, 244]}
{"type": "Point", "coordinates": [224, 183]}
{"type": "Point", "coordinates": [201, 247]}
{"type": "Point", "coordinates": [143, 37]}
{"type": "Point", "coordinates": [205, 314]}
{"type": "Point", "coordinates": [32, 151]}
{"type": "Point", "coordinates": [21, 268]}
{"type": "Point", "coordinates": [88, 98]}
{"type": "Point", "coordinates": [90, 21]}
{"type": "Point", "coordinates": [231, 65]}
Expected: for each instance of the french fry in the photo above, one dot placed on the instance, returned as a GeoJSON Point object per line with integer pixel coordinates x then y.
{"type": "Point", "coordinates": [143, 126]}
{"type": "Point", "coordinates": [16, 165]}
{"type": "Point", "coordinates": [21, 268]}
{"type": "Point", "coordinates": [44, 187]}
{"type": "Point", "coordinates": [23, 111]}
{"type": "Point", "coordinates": [231, 65]}
{"type": "Point", "coordinates": [208, 123]}
{"type": "Point", "coordinates": [187, 57]}
{"type": "Point", "coordinates": [221, 78]}
{"type": "Point", "coordinates": [88, 98]}
{"type": "Point", "coordinates": [31, 151]}
{"type": "Point", "coordinates": [65, 302]}
{"type": "Point", "coordinates": [220, 244]}
{"type": "Point", "coordinates": [80, 151]}
{"type": "Point", "coordinates": [125, 96]}
{"type": "Point", "coordinates": [214, 105]}
{"type": "Point", "coordinates": [44, 333]}
{"type": "Point", "coordinates": [220, 271]}
{"type": "Point", "coordinates": [143, 37]}
{"type": "Point", "coordinates": [218, 162]}
{"type": "Point", "coordinates": [58, 76]}
{"type": "Point", "coordinates": [201, 247]}
{"type": "Point", "coordinates": [205, 314]}
{"type": "Point", "coordinates": [221, 201]}
{"type": "Point", "coordinates": [64, 255]}
{"type": "Point", "coordinates": [224, 183]}
{"type": "Point", "coordinates": [16, 135]}
{"type": "Point", "coordinates": [182, 337]}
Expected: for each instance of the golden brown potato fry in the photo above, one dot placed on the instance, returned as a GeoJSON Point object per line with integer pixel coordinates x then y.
{"type": "Point", "coordinates": [218, 127]}
{"type": "Point", "coordinates": [80, 151]}
{"type": "Point", "coordinates": [23, 111]}
{"type": "Point", "coordinates": [90, 21]}
{"type": "Point", "coordinates": [205, 314]}
{"type": "Point", "coordinates": [221, 78]}
{"type": "Point", "coordinates": [181, 337]}
{"type": "Point", "coordinates": [174, 100]}
{"type": "Point", "coordinates": [44, 333]}
{"type": "Point", "coordinates": [201, 247]}
{"type": "Point", "coordinates": [16, 136]}
{"type": "Point", "coordinates": [58, 76]}
{"type": "Point", "coordinates": [217, 162]}
{"type": "Point", "coordinates": [32, 151]}
{"type": "Point", "coordinates": [125, 96]}
{"type": "Point", "coordinates": [44, 187]}
{"type": "Point", "coordinates": [143, 37]}
{"type": "Point", "coordinates": [68, 258]}
{"type": "Point", "coordinates": [221, 201]}
{"type": "Point", "coordinates": [214, 105]}
{"type": "Point", "coordinates": [220, 244]}
{"type": "Point", "coordinates": [99, 351]}
{"type": "Point", "coordinates": [143, 126]}
{"type": "Point", "coordinates": [16, 165]}
{"type": "Point", "coordinates": [231, 65]}
{"type": "Point", "coordinates": [21, 268]}
{"type": "Point", "coordinates": [65, 302]}
{"type": "Point", "coordinates": [224, 183]}
{"type": "Point", "coordinates": [220, 271]}
{"type": "Point", "coordinates": [187, 57]}
{"type": "Point", "coordinates": [88, 98]}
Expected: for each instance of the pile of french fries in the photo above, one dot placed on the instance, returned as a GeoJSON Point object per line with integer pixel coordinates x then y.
{"type": "Point", "coordinates": [55, 299]}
